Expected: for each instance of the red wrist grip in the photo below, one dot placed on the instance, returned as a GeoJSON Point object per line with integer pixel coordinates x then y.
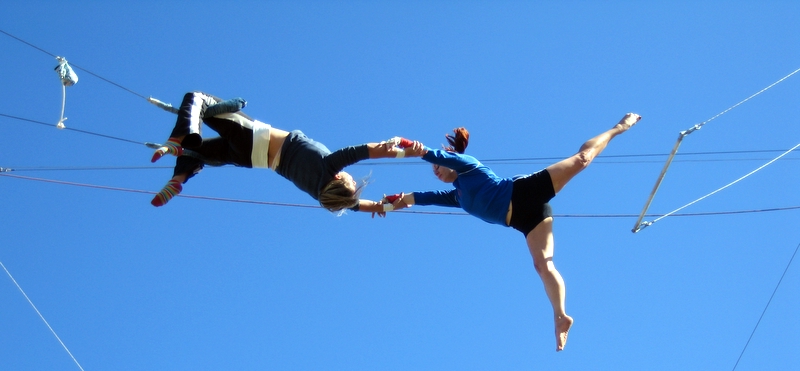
{"type": "Point", "coordinates": [405, 143]}
{"type": "Point", "coordinates": [392, 198]}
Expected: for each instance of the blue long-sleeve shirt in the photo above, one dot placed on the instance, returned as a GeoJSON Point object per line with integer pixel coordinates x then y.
{"type": "Point", "coordinates": [478, 190]}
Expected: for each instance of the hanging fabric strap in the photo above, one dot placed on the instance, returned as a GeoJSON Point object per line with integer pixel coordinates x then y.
{"type": "Point", "coordinates": [68, 78]}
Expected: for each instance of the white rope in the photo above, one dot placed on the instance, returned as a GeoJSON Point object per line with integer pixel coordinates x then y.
{"type": "Point", "coordinates": [60, 124]}
{"type": "Point", "coordinates": [40, 315]}
{"type": "Point", "coordinates": [745, 100]}
{"type": "Point", "coordinates": [726, 186]}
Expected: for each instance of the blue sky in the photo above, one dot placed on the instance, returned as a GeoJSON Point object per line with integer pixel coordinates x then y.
{"type": "Point", "coordinates": [202, 284]}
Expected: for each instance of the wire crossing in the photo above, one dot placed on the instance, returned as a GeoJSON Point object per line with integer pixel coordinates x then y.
{"type": "Point", "coordinates": [74, 65]}
{"type": "Point", "coordinates": [639, 224]}
{"type": "Point", "coordinates": [646, 224]}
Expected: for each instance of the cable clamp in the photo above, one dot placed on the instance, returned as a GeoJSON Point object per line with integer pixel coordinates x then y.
{"type": "Point", "coordinates": [691, 130]}
{"type": "Point", "coordinates": [641, 226]}
{"type": "Point", "coordinates": [165, 106]}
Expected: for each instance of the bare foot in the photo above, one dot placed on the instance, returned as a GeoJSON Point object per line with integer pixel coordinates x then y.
{"type": "Point", "coordinates": [563, 324]}
{"type": "Point", "coordinates": [628, 121]}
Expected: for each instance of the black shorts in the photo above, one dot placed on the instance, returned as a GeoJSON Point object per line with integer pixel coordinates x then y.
{"type": "Point", "coordinates": [529, 199]}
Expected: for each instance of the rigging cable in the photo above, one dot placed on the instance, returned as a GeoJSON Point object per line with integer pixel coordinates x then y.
{"type": "Point", "coordinates": [641, 225]}
{"type": "Point", "coordinates": [40, 315]}
{"type": "Point", "coordinates": [60, 124]}
{"type": "Point", "coordinates": [76, 130]}
{"type": "Point", "coordinates": [502, 161]}
{"type": "Point", "coordinates": [74, 65]}
{"type": "Point", "coordinates": [401, 211]}
{"type": "Point", "coordinates": [767, 306]}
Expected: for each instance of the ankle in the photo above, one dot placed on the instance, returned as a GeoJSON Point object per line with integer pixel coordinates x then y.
{"type": "Point", "coordinates": [172, 189]}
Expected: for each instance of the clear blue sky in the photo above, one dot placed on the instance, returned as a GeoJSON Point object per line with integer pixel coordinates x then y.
{"type": "Point", "coordinates": [217, 285]}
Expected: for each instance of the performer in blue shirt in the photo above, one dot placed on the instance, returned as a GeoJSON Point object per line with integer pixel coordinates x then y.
{"type": "Point", "coordinates": [520, 203]}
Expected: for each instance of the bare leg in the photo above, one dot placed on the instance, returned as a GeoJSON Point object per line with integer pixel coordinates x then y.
{"type": "Point", "coordinates": [540, 239]}
{"type": "Point", "coordinates": [540, 244]}
{"type": "Point", "coordinates": [564, 170]}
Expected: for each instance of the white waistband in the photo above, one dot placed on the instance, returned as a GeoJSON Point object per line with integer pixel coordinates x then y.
{"type": "Point", "coordinates": [260, 154]}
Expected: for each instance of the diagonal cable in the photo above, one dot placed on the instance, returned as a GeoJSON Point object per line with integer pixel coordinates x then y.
{"type": "Point", "coordinates": [40, 315]}
{"type": "Point", "coordinates": [765, 307]}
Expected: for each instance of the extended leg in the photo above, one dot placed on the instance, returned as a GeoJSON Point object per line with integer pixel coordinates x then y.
{"type": "Point", "coordinates": [190, 116]}
{"type": "Point", "coordinates": [540, 244]}
{"type": "Point", "coordinates": [185, 168]}
{"type": "Point", "coordinates": [186, 132]}
{"type": "Point", "coordinates": [195, 107]}
{"type": "Point", "coordinates": [212, 151]}
{"type": "Point", "coordinates": [564, 170]}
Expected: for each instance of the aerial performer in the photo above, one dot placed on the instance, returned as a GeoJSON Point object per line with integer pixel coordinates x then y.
{"type": "Point", "coordinates": [519, 202]}
{"type": "Point", "coordinates": [246, 142]}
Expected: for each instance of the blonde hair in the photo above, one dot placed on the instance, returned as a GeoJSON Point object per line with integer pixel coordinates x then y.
{"type": "Point", "coordinates": [336, 196]}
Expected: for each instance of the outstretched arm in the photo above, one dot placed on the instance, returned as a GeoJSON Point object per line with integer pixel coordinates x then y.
{"type": "Point", "coordinates": [405, 200]}
{"type": "Point", "coordinates": [369, 206]}
{"type": "Point", "coordinates": [386, 204]}
{"type": "Point", "coordinates": [437, 198]}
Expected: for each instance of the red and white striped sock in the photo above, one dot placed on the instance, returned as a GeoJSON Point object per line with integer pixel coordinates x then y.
{"type": "Point", "coordinates": [173, 147]}
{"type": "Point", "coordinates": [172, 189]}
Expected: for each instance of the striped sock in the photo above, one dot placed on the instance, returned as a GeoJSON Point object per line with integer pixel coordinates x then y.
{"type": "Point", "coordinates": [172, 189]}
{"type": "Point", "coordinates": [173, 147]}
